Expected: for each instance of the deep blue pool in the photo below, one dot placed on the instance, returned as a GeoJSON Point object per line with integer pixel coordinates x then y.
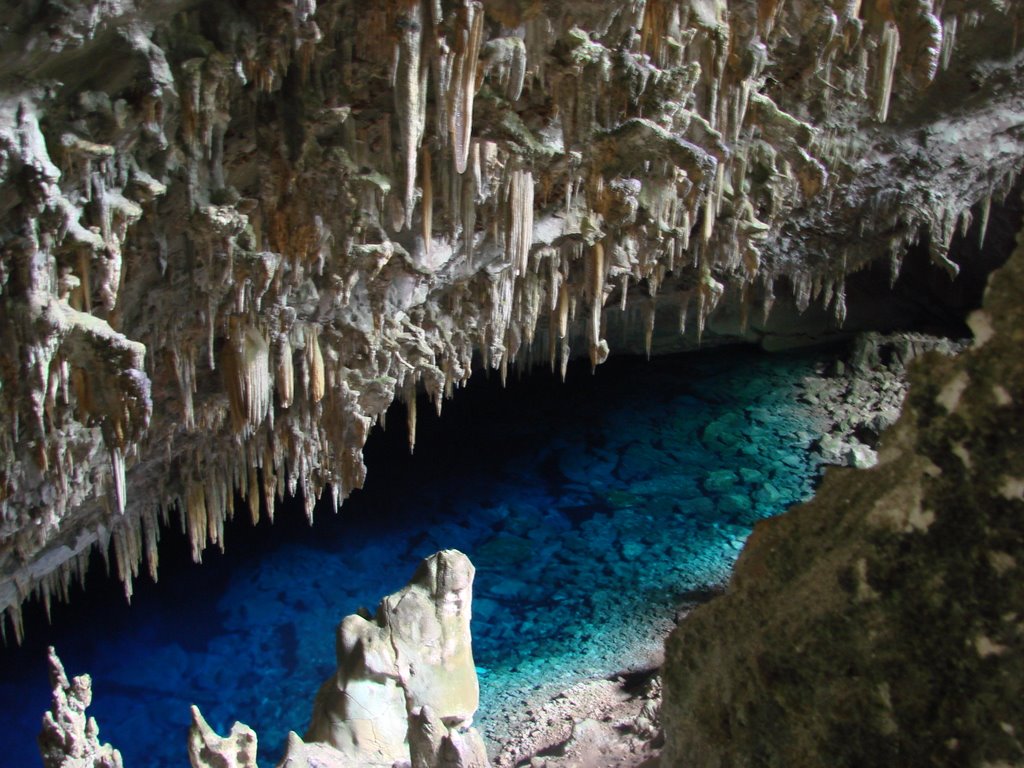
{"type": "Point", "coordinates": [591, 509]}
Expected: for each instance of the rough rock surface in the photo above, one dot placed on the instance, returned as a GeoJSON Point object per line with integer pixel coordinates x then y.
{"type": "Point", "coordinates": [861, 396]}
{"type": "Point", "coordinates": [208, 750]}
{"type": "Point", "coordinates": [406, 677]}
{"type": "Point", "coordinates": [607, 723]}
{"type": "Point", "coordinates": [69, 739]}
{"type": "Point", "coordinates": [880, 623]}
{"type": "Point", "coordinates": [405, 692]}
{"type": "Point", "coordinates": [233, 233]}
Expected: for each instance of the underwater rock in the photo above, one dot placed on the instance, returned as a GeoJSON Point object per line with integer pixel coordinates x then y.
{"type": "Point", "coordinates": [69, 739]}
{"type": "Point", "coordinates": [208, 750]}
{"type": "Point", "coordinates": [406, 678]}
{"type": "Point", "coordinates": [880, 623]}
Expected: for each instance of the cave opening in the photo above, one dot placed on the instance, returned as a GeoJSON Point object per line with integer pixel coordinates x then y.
{"type": "Point", "coordinates": [596, 510]}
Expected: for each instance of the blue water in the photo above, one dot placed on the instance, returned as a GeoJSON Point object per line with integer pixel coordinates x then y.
{"type": "Point", "coordinates": [592, 510]}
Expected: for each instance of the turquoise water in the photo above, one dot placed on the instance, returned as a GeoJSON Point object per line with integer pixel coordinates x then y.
{"type": "Point", "coordinates": [591, 510]}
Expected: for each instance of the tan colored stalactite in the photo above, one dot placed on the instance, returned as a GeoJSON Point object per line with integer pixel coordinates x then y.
{"type": "Point", "coordinates": [888, 50]}
{"type": "Point", "coordinates": [520, 224]}
{"type": "Point", "coordinates": [315, 365]}
{"type": "Point", "coordinates": [595, 289]}
{"type": "Point", "coordinates": [986, 210]}
{"type": "Point", "coordinates": [409, 95]}
{"type": "Point", "coordinates": [410, 410]}
{"type": "Point", "coordinates": [470, 36]}
{"type": "Point", "coordinates": [427, 215]}
{"type": "Point", "coordinates": [284, 372]}
{"type": "Point", "coordinates": [196, 519]}
{"type": "Point", "coordinates": [245, 365]}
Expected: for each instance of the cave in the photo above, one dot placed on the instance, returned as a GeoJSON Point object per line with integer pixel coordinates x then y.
{"type": "Point", "coordinates": [674, 341]}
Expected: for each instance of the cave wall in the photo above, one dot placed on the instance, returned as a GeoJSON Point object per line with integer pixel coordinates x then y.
{"type": "Point", "coordinates": [232, 233]}
{"type": "Point", "coordinates": [880, 623]}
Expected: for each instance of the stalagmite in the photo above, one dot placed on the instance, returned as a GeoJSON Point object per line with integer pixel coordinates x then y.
{"type": "Point", "coordinates": [208, 750]}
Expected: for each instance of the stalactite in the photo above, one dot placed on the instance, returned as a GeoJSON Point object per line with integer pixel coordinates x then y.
{"type": "Point", "coordinates": [887, 53]}
{"type": "Point", "coordinates": [563, 310]}
{"type": "Point", "coordinates": [246, 370]}
{"type": "Point", "coordinates": [986, 210]}
{"type": "Point", "coordinates": [285, 374]}
{"type": "Point", "coordinates": [769, 298]}
{"type": "Point", "coordinates": [185, 370]}
{"type": "Point", "coordinates": [409, 96]}
{"type": "Point", "coordinates": [595, 289]}
{"type": "Point", "coordinates": [463, 93]}
{"type": "Point", "coordinates": [314, 365]}
{"type": "Point", "coordinates": [468, 213]}
{"type": "Point", "coordinates": [520, 220]}
{"type": "Point", "coordinates": [196, 519]}
{"type": "Point", "coordinates": [410, 410]}
{"type": "Point", "coordinates": [949, 28]}
{"type": "Point", "coordinates": [117, 478]}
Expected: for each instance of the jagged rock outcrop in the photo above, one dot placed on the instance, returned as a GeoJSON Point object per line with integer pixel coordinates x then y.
{"type": "Point", "coordinates": [206, 749]}
{"type": "Point", "coordinates": [880, 623]}
{"type": "Point", "coordinates": [69, 739]}
{"type": "Point", "coordinates": [406, 686]}
{"type": "Point", "coordinates": [233, 233]}
{"type": "Point", "coordinates": [404, 693]}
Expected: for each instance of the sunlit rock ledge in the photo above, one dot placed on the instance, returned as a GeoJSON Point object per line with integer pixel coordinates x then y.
{"type": "Point", "coordinates": [233, 234]}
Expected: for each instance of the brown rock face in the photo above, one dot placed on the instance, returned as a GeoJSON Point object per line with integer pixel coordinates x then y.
{"type": "Point", "coordinates": [232, 233]}
{"type": "Point", "coordinates": [880, 623]}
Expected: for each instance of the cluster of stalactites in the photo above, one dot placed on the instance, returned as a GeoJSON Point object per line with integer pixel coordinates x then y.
{"type": "Point", "coordinates": [665, 152]}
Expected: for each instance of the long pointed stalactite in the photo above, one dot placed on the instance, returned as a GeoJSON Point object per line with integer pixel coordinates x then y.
{"type": "Point", "coordinates": [233, 234]}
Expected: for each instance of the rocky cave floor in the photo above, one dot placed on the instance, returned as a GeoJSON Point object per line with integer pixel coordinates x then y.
{"type": "Point", "coordinates": [614, 722]}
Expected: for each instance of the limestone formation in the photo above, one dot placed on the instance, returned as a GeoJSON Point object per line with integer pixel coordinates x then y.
{"type": "Point", "coordinates": [404, 693]}
{"type": "Point", "coordinates": [880, 623]}
{"type": "Point", "coordinates": [406, 678]}
{"type": "Point", "coordinates": [69, 739]}
{"type": "Point", "coordinates": [208, 750]}
{"type": "Point", "coordinates": [233, 233]}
